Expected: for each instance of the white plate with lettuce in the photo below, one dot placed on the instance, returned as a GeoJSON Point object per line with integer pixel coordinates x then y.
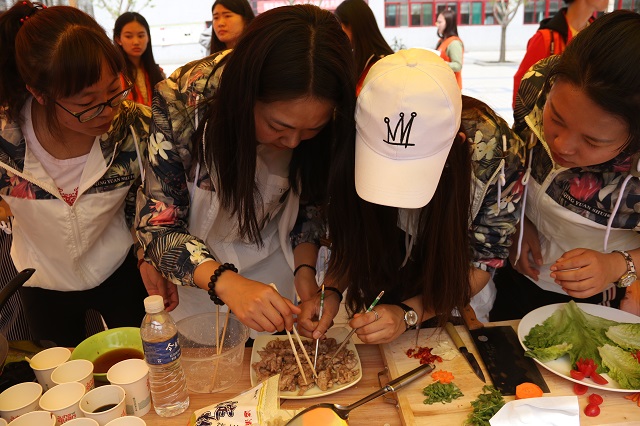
{"type": "Point", "coordinates": [568, 331]}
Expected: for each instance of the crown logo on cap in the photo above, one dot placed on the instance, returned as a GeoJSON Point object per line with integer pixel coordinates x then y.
{"type": "Point", "coordinates": [405, 131]}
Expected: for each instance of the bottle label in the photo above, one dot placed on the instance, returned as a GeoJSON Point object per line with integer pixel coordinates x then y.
{"type": "Point", "coordinates": [158, 353]}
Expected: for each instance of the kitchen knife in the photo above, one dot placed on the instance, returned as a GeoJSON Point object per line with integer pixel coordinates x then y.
{"type": "Point", "coordinates": [502, 354]}
{"type": "Point", "coordinates": [471, 359]}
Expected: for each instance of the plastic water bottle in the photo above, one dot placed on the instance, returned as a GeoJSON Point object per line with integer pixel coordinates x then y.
{"type": "Point", "coordinates": [162, 353]}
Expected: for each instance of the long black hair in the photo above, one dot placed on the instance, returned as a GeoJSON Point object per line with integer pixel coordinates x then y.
{"type": "Point", "coordinates": [368, 247]}
{"type": "Point", "coordinates": [148, 61]}
{"type": "Point", "coordinates": [451, 26]}
{"type": "Point", "coordinates": [366, 37]}
{"type": "Point", "coordinates": [287, 53]}
{"type": "Point", "coordinates": [240, 7]}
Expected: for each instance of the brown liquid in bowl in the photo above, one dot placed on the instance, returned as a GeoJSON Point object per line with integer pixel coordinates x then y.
{"type": "Point", "coordinates": [104, 362]}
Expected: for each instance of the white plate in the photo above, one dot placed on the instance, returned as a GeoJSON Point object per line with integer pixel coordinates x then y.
{"type": "Point", "coordinates": [337, 333]}
{"type": "Point", "coordinates": [562, 365]}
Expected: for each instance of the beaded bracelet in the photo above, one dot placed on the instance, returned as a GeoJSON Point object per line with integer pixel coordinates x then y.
{"type": "Point", "coordinates": [303, 265]}
{"type": "Point", "coordinates": [338, 292]}
{"type": "Point", "coordinates": [214, 278]}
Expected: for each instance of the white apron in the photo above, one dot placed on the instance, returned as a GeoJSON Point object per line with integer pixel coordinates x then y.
{"type": "Point", "coordinates": [271, 263]}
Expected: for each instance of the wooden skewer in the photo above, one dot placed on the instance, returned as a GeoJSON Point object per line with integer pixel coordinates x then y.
{"type": "Point", "coordinates": [224, 331]}
{"type": "Point", "coordinates": [295, 353]}
{"type": "Point", "coordinates": [304, 351]}
{"type": "Point", "coordinates": [217, 329]}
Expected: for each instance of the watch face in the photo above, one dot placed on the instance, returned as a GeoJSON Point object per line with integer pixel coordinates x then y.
{"type": "Point", "coordinates": [627, 279]}
{"type": "Point", "coordinates": [411, 318]}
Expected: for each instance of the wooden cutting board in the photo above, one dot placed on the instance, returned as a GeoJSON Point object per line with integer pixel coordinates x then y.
{"type": "Point", "coordinates": [413, 412]}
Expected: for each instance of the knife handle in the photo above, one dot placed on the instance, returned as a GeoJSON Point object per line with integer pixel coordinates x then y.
{"type": "Point", "coordinates": [451, 329]}
{"type": "Point", "coordinates": [470, 319]}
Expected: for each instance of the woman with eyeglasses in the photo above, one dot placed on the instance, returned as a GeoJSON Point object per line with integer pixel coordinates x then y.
{"type": "Point", "coordinates": [70, 165]}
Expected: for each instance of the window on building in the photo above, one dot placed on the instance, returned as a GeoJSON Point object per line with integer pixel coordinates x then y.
{"type": "Point", "coordinates": [421, 13]}
{"type": "Point", "coordinates": [537, 10]}
{"type": "Point", "coordinates": [396, 14]}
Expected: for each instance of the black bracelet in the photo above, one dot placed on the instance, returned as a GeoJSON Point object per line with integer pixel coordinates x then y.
{"type": "Point", "coordinates": [214, 278]}
{"type": "Point", "coordinates": [303, 265]}
{"type": "Point", "coordinates": [338, 292]}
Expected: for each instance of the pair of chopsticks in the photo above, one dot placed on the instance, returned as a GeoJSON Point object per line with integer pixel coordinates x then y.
{"type": "Point", "coordinates": [220, 340]}
{"type": "Point", "coordinates": [304, 351]}
{"type": "Point", "coordinates": [293, 348]}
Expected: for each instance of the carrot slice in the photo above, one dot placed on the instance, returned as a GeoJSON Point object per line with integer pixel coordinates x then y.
{"type": "Point", "coordinates": [442, 376]}
{"type": "Point", "coordinates": [528, 390]}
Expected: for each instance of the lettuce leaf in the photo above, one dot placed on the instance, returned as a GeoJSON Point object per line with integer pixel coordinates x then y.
{"type": "Point", "coordinates": [550, 353]}
{"type": "Point", "coordinates": [570, 325]}
{"type": "Point", "coordinates": [627, 336]}
{"type": "Point", "coordinates": [623, 367]}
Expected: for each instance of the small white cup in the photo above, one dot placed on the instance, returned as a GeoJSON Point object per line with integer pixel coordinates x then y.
{"type": "Point", "coordinates": [133, 376]}
{"type": "Point", "coordinates": [76, 370]}
{"type": "Point", "coordinates": [44, 362]}
{"type": "Point", "coordinates": [82, 421]}
{"type": "Point", "coordinates": [102, 396]}
{"type": "Point", "coordinates": [127, 421]}
{"type": "Point", "coordinates": [35, 418]}
{"type": "Point", "coordinates": [63, 400]}
{"type": "Point", "coordinates": [19, 399]}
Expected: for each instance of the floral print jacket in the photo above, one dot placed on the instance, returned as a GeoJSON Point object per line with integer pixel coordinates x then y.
{"type": "Point", "coordinates": [495, 205]}
{"type": "Point", "coordinates": [163, 208]}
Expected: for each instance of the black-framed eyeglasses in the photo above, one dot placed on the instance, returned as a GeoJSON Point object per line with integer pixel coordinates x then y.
{"type": "Point", "coordinates": [94, 111]}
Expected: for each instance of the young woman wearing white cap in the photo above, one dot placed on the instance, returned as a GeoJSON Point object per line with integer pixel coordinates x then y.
{"type": "Point", "coordinates": [433, 205]}
{"type": "Point", "coordinates": [579, 239]}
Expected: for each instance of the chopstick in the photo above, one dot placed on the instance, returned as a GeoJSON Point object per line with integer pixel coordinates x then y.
{"type": "Point", "coordinates": [304, 351]}
{"type": "Point", "coordinates": [224, 331]}
{"type": "Point", "coordinates": [315, 358]}
{"type": "Point", "coordinates": [353, 330]}
{"type": "Point", "coordinates": [295, 354]}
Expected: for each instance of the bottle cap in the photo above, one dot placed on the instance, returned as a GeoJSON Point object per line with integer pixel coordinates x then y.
{"type": "Point", "coordinates": [153, 304]}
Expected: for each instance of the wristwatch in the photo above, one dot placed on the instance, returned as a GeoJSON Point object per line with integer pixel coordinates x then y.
{"type": "Point", "coordinates": [630, 276]}
{"type": "Point", "coordinates": [410, 316]}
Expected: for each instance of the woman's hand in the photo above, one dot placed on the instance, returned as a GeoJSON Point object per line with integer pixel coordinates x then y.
{"type": "Point", "coordinates": [583, 273]}
{"type": "Point", "coordinates": [388, 326]}
{"type": "Point", "coordinates": [308, 323]}
{"type": "Point", "coordinates": [257, 305]}
{"type": "Point", "coordinates": [530, 249]}
{"type": "Point", "coordinates": [155, 283]}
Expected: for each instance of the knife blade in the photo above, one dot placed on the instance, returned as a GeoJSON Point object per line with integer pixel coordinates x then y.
{"type": "Point", "coordinates": [471, 359]}
{"type": "Point", "coordinates": [502, 354]}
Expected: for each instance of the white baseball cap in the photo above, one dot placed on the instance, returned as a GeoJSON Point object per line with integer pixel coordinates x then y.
{"type": "Point", "coordinates": [407, 116]}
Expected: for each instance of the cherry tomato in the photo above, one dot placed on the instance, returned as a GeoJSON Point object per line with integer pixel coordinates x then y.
{"type": "Point", "coordinates": [595, 399]}
{"type": "Point", "coordinates": [576, 374]}
{"type": "Point", "coordinates": [580, 389]}
{"type": "Point", "coordinates": [598, 379]}
{"type": "Point", "coordinates": [586, 366]}
{"type": "Point", "coordinates": [592, 410]}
